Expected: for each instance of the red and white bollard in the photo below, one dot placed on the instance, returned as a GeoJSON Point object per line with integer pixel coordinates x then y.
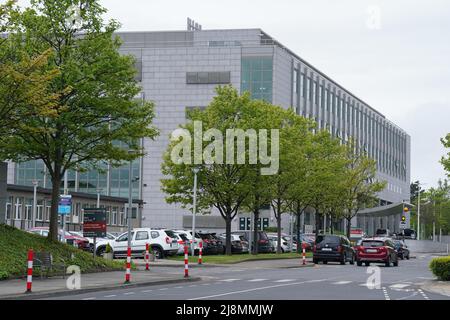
{"type": "Point", "coordinates": [200, 252]}
{"type": "Point", "coordinates": [30, 270]}
{"type": "Point", "coordinates": [128, 272]}
{"type": "Point", "coordinates": [186, 258]}
{"type": "Point", "coordinates": [304, 253]}
{"type": "Point", "coordinates": [147, 258]}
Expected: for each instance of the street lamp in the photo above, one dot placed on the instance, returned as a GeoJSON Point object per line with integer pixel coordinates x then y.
{"type": "Point", "coordinates": [33, 218]}
{"type": "Point", "coordinates": [194, 209]}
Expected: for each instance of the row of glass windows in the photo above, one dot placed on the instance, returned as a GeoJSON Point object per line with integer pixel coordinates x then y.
{"type": "Point", "coordinates": [344, 116]}
{"type": "Point", "coordinates": [257, 77]}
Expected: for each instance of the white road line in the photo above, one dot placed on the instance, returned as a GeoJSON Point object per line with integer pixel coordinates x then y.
{"type": "Point", "coordinates": [386, 295]}
{"type": "Point", "coordinates": [248, 290]}
{"type": "Point", "coordinates": [178, 287]}
{"type": "Point", "coordinates": [192, 285]}
{"type": "Point", "coordinates": [256, 280]}
{"type": "Point", "coordinates": [163, 289]}
{"type": "Point", "coordinates": [92, 298]}
{"type": "Point", "coordinates": [423, 294]}
{"type": "Point", "coordinates": [285, 280]}
{"type": "Point", "coordinates": [342, 282]}
{"type": "Point", "coordinates": [399, 286]}
{"type": "Point", "coordinates": [128, 293]}
{"type": "Point", "coordinates": [145, 291]}
{"type": "Point", "coordinates": [110, 296]}
{"type": "Point", "coordinates": [229, 280]}
{"type": "Point", "coordinates": [206, 284]}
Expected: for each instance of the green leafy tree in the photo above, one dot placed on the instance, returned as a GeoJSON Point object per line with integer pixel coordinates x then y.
{"type": "Point", "coordinates": [446, 160]}
{"type": "Point", "coordinates": [360, 185]}
{"type": "Point", "coordinates": [96, 110]}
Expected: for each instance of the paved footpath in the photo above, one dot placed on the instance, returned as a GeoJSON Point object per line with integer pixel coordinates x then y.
{"type": "Point", "coordinates": [275, 281]}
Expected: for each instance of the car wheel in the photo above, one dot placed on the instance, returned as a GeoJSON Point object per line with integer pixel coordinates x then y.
{"type": "Point", "coordinates": [158, 253]}
{"type": "Point", "coordinates": [396, 263]}
{"type": "Point", "coordinates": [367, 264]}
{"type": "Point", "coordinates": [353, 260]}
{"type": "Point", "coordinates": [359, 263]}
{"type": "Point", "coordinates": [325, 262]}
{"type": "Point", "coordinates": [388, 262]}
{"type": "Point", "coordinates": [315, 261]}
{"type": "Point", "coordinates": [344, 259]}
{"type": "Point", "coordinates": [407, 257]}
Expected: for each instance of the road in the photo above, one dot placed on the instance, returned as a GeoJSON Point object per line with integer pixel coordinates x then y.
{"type": "Point", "coordinates": [252, 281]}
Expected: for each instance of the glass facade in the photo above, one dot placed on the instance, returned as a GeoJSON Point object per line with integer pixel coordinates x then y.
{"type": "Point", "coordinates": [257, 76]}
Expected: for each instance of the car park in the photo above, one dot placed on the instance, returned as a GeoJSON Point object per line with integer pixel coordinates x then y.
{"type": "Point", "coordinates": [263, 241]}
{"type": "Point", "coordinates": [210, 245]}
{"type": "Point", "coordinates": [333, 248]}
{"type": "Point", "coordinates": [163, 242]}
{"type": "Point", "coordinates": [376, 250]}
{"type": "Point", "coordinates": [187, 235]}
{"type": "Point", "coordinates": [73, 240]}
{"type": "Point", "coordinates": [402, 249]}
{"type": "Point", "coordinates": [109, 236]}
{"type": "Point", "coordinates": [238, 243]}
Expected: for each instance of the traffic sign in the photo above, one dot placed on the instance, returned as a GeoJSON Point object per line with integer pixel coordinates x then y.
{"type": "Point", "coordinates": [94, 223]}
{"type": "Point", "coordinates": [64, 204]}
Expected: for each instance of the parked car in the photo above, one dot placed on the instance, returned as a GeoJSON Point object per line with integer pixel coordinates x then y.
{"type": "Point", "coordinates": [238, 243]}
{"type": "Point", "coordinates": [333, 248]}
{"type": "Point", "coordinates": [285, 246]}
{"type": "Point", "coordinates": [210, 244]}
{"type": "Point", "coordinates": [263, 241]}
{"type": "Point", "coordinates": [187, 235]}
{"type": "Point", "coordinates": [376, 250]}
{"type": "Point", "coordinates": [273, 245]}
{"type": "Point", "coordinates": [73, 240]}
{"type": "Point", "coordinates": [402, 249]}
{"type": "Point", "coordinates": [109, 236]}
{"type": "Point", "coordinates": [383, 233]}
{"type": "Point", "coordinates": [163, 242]}
{"type": "Point", "coordinates": [408, 234]}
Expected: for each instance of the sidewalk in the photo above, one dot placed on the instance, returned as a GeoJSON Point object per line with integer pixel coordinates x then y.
{"type": "Point", "coordinates": [15, 289]}
{"type": "Point", "coordinates": [439, 287]}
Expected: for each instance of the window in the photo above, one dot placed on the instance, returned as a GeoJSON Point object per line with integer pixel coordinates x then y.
{"type": "Point", "coordinates": [256, 77]}
{"type": "Point", "coordinates": [208, 77]}
{"type": "Point", "coordinates": [295, 81]}
{"type": "Point", "coordinates": [303, 85]}
{"type": "Point", "coordinates": [124, 237]}
{"type": "Point", "coordinates": [9, 208]}
{"type": "Point", "coordinates": [141, 235]}
{"type": "Point", "coordinates": [154, 234]}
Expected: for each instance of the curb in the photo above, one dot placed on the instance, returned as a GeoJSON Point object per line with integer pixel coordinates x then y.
{"type": "Point", "coordinates": [431, 286]}
{"type": "Point", "coordinates": [50, 294]}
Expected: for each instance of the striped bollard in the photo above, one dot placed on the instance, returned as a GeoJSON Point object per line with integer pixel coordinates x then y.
{"type": "Point", "coordinates": [147, 258]}
{"type": "Point", "coordinates": [186, 263]}
{"type": "Point", "coordinates": [200, 252]}
{"type": "Point", "coordinates": [128, 272]}
{"type": "Point", "coordinates": [30, 270]}
{"type": "Point", "coordinates": [304, 253]}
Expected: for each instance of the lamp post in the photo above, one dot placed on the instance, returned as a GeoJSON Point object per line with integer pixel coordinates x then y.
{"type": "Point", "coordinates": [130, 201]}
{"type": "Point", "coordinates": [33, 218]}
{"type": "Point", "coordinates": [194, 209]}
{"type": "Point", "coordinates": [418, 214]}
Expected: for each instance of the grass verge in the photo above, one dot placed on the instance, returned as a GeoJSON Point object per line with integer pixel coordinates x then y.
{"type": "Point", "coordinates": [236, 258]}
{"type": "Point", "coordinates": [15, 243]}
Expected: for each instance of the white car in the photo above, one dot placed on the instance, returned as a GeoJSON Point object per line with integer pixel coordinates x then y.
{"type": "Point", "coordinates": [163, 242]}
{"type": "Point", "coordinates": [285, 246]}
{"type": "Point", "coordinates": [109, 237]}
{"type": "Point", "coordinates": [187, 235]}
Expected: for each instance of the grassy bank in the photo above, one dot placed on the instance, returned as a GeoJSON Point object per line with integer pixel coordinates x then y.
{"type": "Point", "coordinates": [14, 245]}
{"type": "Point", "coordinates": [236, 258]}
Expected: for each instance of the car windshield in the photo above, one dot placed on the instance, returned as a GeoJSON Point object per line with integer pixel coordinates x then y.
{"type": "Point", "coordinates": [183, 236]}
{"type": "Point", "coordinates": [371, 244]}
{"type": "Point", "coordinates": [327, 239]}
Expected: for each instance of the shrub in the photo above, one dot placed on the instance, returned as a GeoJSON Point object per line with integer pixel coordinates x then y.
{"type": "Point", "coordinates": [441, 268]}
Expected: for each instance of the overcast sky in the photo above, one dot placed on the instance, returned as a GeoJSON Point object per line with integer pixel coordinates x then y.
{"type": "Point", "coordinates": [392, 54]}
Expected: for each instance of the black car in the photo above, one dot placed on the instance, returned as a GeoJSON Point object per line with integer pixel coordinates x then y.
{"type": "Point", "coordinates": [333, 248]}
{"type": "Point", "coordinates": [238, 243]}
{"type": "Point", "coordinates": [402, 249]}
{"type": "Point", "coordinates": [408, 234]}
{"type": "Point", "coordinates": [209, 243]}
{"type": "Point", "coordinates": [220, 243]}
{"type": "Point", "coordinates": [264, 245]}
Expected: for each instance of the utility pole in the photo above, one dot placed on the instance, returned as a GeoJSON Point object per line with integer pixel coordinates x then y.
{"type": "Point", "coordinates": [194, 209]}
{"type": "Point", "coordinates": [418, 213]}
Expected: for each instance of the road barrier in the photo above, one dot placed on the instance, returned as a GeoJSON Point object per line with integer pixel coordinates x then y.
{"type": "Point", "coordinates": [128, 272]}
{"type": "Point", "coordinates": [30, 270]}
{"type": "Point", "coordinates": [200, 252]}
{"type": "Point", "coordinates": [147, 257]}
{"type": "Point", "coordinates": [304, 253]}
{"type": "Point", "coordinates": [186, 258]}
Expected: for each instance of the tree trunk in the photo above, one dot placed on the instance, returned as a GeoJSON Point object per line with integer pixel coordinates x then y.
{"type": "Point", "coordinates": [299, 242]}
{"type": "Point", "coordinates": [228, 234]}
{"type": "Point", "coordinates": [279, 233]}
{"type": "Point", "coordinates": [317, 222]}
{"type": "Point", "coordinates": [255, 231]}
{"type": "Point", "coordinates": [56, 185]}
{"type": "Point", "coordinates": [331, 224]}
{"type": "Point", "coordinates": [349, 226]}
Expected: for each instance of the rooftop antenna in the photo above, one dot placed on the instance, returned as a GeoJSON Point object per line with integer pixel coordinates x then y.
{"type": "Point", "coordinates": [193, 26]}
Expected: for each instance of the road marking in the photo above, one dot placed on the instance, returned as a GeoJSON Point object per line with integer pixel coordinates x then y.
{"type": "Point", "coordinates": [343, 282]}
{"type": "Point", "coordinates": [145, 291]}
{"type": "Point", "coordinates": [193, 285]}
{"type": "Point", "coordinates": [423, 294]}
{"type": "Point", "coordinates": [399, 286]}
{"type": "Point", "coordinates": [163, 289]}
{"type": "Point", "coordinates": [92, 298]}
{"type": "Point", "coordinates": [256, 280]}
{"type": "Point", "coordinates": [386, 295]}
{"type": "Point", "coordinates": [229, 280]}
{"type": "Point", "coordinates": [248, 290]}
{"type": "Point", "coordinates": [110, 296]}
{"type": "Point", "coordinates": [178, 287]}
{"type": "Point", "coordinates": [285, 280]}
{"type": "Point", "coordinates": [311, 281]}
{"type": "Point", "coordinates": [128, 293]}
{"type": "Point", "coordinates": [206, 284]}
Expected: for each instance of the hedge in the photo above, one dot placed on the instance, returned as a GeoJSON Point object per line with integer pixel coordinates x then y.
{"type": "Point", "coordinates": [441, 268]}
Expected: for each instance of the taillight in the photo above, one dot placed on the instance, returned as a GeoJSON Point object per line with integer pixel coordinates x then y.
{"type": "Point", "coordinates": [262, 241]}
{"type": "Point", "coordinates": [382, 249]}
{"type": "Point", "coordinates": [339, 248]}
{"type": "Point", "coordinates": [168, 240]}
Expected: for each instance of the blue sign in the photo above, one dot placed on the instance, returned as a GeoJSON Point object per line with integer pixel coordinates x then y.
{"type": "Point", "coordinates": [64, 204]}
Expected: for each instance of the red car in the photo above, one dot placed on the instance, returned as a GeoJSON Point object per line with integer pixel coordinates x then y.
{"type": "Point", "coordinates": [376, 250]}
{"type": "Point", "coordinates": [76, 241]}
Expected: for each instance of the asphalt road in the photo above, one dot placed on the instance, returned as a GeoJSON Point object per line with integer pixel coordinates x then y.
{"type": "Point", "coordinates": [256, 281]}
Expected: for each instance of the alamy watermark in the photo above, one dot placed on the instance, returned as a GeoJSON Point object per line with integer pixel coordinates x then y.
{"type": "Point", "coordinates": [234, 144]}
{"type": "Point", "coordinates": [374, 280]}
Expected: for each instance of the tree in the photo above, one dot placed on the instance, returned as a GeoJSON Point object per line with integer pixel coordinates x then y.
{"type": "Point", "coordinates": [220, 184]}
{"type": "Point", "coordinates": [360, 184]}
{"type": "Point", "coordinates": [96, 111]}
{"type": "Point", "coordinates": [446, 160]}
